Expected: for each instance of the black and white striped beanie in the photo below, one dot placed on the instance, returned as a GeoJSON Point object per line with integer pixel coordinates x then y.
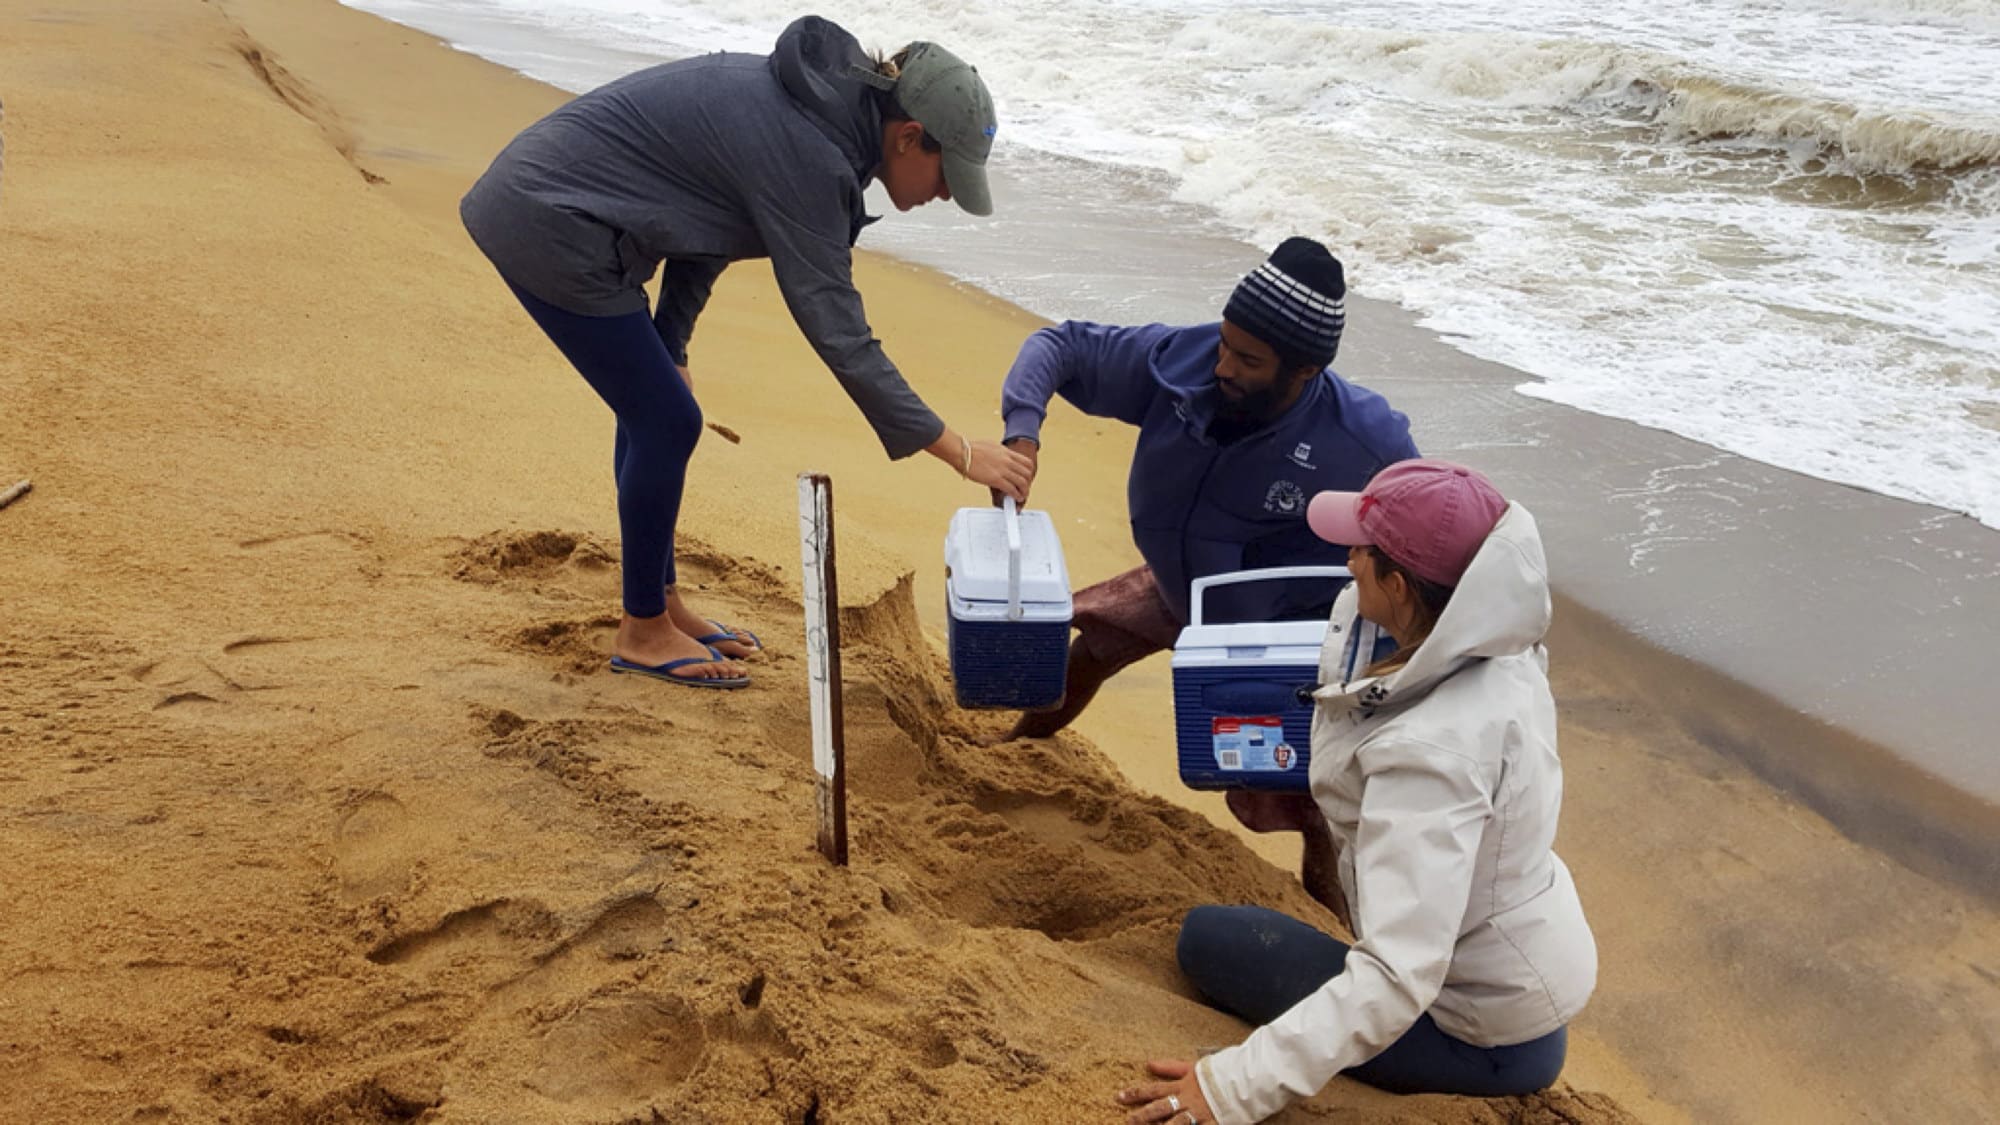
{"type": "Point", "coordinates": [1296, 302]}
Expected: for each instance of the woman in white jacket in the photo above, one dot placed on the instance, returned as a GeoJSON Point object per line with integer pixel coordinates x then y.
{"type": "Point", "coordinates": [1435, 770]}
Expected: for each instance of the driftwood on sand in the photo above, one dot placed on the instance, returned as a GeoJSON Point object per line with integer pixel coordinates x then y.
{"type": "Point", "coordinates": [15, 492]}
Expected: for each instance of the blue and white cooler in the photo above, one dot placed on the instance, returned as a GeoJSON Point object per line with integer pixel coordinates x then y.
{"type": "Point", "coordinates": [1007, 595]}
{"type": "Point", "coordinates": [1240, 718]}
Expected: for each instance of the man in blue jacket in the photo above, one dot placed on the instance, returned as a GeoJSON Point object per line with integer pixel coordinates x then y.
{"type": "Point", "coordinates": [1240, 423]}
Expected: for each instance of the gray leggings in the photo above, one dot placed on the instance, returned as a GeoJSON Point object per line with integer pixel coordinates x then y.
{"type": "Point", "coordinates": [1256, 964]}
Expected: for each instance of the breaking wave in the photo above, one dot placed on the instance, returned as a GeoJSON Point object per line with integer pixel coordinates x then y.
{"type": "Point", "coordinates": [1683, 99]}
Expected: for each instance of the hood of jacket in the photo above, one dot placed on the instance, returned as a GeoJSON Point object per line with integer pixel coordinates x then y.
{"type": "Point", "coordinates": [1501, 607]}
{"type": "Point", "coordinates": [815, 61]}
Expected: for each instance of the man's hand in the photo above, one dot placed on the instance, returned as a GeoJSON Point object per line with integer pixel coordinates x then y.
{"type": "Point", "coordinates": [1029, 448]}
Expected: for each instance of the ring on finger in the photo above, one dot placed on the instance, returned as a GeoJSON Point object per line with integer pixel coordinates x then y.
{"type": "Point", "coordinates": [1173, 1105]}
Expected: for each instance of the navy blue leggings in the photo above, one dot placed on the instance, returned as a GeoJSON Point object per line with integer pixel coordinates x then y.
{"type": "Point", "coordinates": [1256, 964]}
{"type": "Point", "coordinates": [626, 363]}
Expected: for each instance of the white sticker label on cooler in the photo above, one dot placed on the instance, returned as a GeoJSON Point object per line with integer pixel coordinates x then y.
{"type": "Point", "coordinates": [1253, 742]}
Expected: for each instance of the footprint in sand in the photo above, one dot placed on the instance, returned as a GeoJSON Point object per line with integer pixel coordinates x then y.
{"type": "Point", "coordinates": [375, 848]}
{"type": "Point", "coordinates": [183, 681]}
{"type": "Point", "coordinates": [639, 1047]}
{"type": "Point", "coordinates": [261, 662]}
{"type": "Point", "coordinates": [626, 931]}
{"type": "Point", "coordinates": [582, 644]}
{"type": "Point", "coordinates": [255, 663]}
{"type": "Point", "coordinates": [620, 1049]}
{"type": "Point", "coordinates": [532, 556]}
{"type": "Point", "coordinates": [503, 935]}
{"type": "Point", "coordinates": [326, 545]}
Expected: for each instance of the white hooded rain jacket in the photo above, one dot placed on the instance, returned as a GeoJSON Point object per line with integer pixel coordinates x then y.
{"type": "Point", "coordinates": [1441, 784]}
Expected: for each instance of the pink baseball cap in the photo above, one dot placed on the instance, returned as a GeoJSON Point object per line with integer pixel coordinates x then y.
{"type": "Point", "coordinates": [1431, 516]}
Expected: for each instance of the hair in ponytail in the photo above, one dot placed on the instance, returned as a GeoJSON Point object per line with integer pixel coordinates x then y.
{"type": "Point", "coordinates": [891, 67]}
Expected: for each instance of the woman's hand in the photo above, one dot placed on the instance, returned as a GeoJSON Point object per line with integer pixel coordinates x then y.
{"type": "Point", "coordinates": [1029, 448]}
{"type": "Point", "coordinates": [987, 462]}
{"type": "Point", "coordinates": [1177, 1101]}
{"type": "Point", "coordinates": [1001, 469]}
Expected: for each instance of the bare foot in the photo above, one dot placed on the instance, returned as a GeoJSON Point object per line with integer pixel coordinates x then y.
{"type": "Point", "coordinates": [695, 625]}
{"type": "Point", "coordinates": [653, 641]}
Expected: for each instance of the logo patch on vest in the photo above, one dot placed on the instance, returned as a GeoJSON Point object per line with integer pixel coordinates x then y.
{"type": "Point", "coordinates": [1299, 456]}
{"type": "Point", "coordinates": [1285, 499]}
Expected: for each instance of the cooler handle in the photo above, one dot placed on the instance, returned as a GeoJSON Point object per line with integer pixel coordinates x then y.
{"type": "Point", "coordinates": [1201, 585]}
{"type": "Point", "coordinates": [1013, 559]}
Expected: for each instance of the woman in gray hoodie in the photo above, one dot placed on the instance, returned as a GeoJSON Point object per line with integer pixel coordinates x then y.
{"type": "Point", "coordinates": [681, 169]}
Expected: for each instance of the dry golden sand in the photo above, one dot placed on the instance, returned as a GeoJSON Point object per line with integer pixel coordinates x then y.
{"type": "Point", "coordinates": [316, 805]}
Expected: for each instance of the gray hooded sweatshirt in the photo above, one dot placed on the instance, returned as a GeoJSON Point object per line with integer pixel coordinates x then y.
{"type": "Point", "coordinates": [689, 166]}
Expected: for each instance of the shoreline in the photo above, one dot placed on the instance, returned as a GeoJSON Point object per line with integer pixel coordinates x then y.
{"type": "Point", "coordinates": [1863, 788]}
{"type": "Point", "coordinates": [320, 805]}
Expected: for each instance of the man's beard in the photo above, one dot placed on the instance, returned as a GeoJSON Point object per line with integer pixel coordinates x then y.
{"type": "Point", "coordinates": [1256, 407]}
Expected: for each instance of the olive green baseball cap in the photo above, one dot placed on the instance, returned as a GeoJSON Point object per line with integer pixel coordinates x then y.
{"type": "Point", "coordinates": [945, 95]}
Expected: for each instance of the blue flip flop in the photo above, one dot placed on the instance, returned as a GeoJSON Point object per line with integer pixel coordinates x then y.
{"type": "Point", "coordinates": [622, 666]}
{"type": "Point", "coordinates": [728, 634]}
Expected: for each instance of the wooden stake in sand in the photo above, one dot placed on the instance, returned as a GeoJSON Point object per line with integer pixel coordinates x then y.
{"type": "Point", "coordinates": [15, 492]}
{"type": "Point", "coordinates": [822, 598]}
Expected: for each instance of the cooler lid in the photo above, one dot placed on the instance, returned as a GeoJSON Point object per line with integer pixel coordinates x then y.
{"type": "Point", "coordinates": [1032, 613]}
{"type": "Point", "coordinates": [975, 552]}
{"type": "Point", "coordinates": [1250, 634]}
